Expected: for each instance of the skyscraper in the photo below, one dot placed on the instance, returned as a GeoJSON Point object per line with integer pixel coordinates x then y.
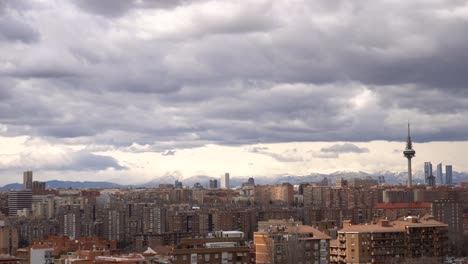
{"type": "Point", "coordinates": [440, 175]}
{"type": "Point", "coordinates": [428, 176]}
{"type": "Point", "coordinates": [427, 171]}
{"type": "Point", "coordinates": [27, 180]}
{"type": "Point", "coordinates": [409, 154]}
{"type": "Point", "coordinates": [225, 181]}
{"type": "Point", "coordinates": [213, 184]}
{"type": "Point", "coordinates": [448, 174]}
{"type": "Point", "coordinates": [19, 200]}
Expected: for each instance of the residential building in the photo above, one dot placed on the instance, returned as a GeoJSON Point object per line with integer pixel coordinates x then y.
{"type": "Point", "coordinates": [8, 238]}
{"type": "Point", "coordinates": [274, 194]}
{"type": "Point", "coordinates": [398, 196]}
{"type": "Point", "coordinates": [283, 242]}
{"type": "Point", "coordinates": [390, 241]}
{"type": "Point", "coordinates": [362, 182]}
{"type": "Point", "coordinates": [450, 212]}
{"type": "Point", "coordinates": [394, 211]}
{"type": "Point", "coordinates": [378, 243]}
{"type": "Point", "coordinates": [226, 247]}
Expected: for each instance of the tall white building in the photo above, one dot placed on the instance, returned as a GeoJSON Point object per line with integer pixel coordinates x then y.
{"type": "Point", "coordinates": [225, 181]}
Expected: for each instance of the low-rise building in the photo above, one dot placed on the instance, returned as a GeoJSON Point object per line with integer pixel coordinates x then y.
{"type": "Point", "coordinates": [286, 242]}
{"type": "Point", "coordinates": [226, 248]}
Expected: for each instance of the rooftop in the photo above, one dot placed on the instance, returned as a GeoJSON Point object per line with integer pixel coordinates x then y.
{"type": "Point", "coordinates": [403, 205]}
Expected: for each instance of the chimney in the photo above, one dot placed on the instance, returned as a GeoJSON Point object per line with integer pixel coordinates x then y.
{"type": "Point", "coordinates": [346, 223]}
{"type": "Point", "coordinates": [384, 223]}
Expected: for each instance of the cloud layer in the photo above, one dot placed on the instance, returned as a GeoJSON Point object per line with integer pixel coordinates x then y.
{"type": "Point", "coordinates": [156, 76]}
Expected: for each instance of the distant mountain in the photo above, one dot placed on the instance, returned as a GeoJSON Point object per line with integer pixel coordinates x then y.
{"type": "Point", "coordinates": [390, 178]}
{"type": "Point", "coordinates": [166, 179]}
{"type": "Point", "coordinates": [56, 184]}
{"type": "Point", "coordinates": [12, 186]}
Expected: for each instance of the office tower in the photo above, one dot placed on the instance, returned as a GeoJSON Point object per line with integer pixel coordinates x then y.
{"type": "Point", "coordinates": [225, 181]}
{"type": "Point", "coordinates": [19, 200]}
{"type": "Point", "coordinates": [27, 180]}
{"type": "Point", "coordinates": [427, 171]}
{"type": "Point", "coordinates": [440, 175]}
{"type": "Point", "coordinates": [409, 154]}
{"type": "Point", "coordinates": [428, 176]}
{"type": "Point", "coordinates": [213, 184]}
{"type": "Point", "coordinates": [448, 174]}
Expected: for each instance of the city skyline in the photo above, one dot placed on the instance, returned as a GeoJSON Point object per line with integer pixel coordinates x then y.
{"type": "Point", "coordinates": [131, 90]}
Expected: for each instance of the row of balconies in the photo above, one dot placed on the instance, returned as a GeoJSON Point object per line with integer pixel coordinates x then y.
{"type": "Point", "coordinates": [396, 244]}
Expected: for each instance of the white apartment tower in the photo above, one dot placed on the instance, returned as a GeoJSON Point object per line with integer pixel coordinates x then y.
{"type": "Point", "coordinates": [225, 181]}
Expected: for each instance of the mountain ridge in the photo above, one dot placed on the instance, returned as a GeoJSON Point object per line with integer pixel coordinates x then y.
{"type": "Point", "coordinates": [390, 178]}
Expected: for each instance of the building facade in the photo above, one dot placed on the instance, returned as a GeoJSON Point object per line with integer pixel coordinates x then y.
{"type": "Point", "coordinates": [286, 243]}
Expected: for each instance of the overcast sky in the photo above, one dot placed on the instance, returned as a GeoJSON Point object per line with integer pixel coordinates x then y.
{"type": "Point", "coordinates": [129, 90]}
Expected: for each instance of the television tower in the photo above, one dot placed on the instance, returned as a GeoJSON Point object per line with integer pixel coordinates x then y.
{"type": "Point", "coordinates": [409, 154]}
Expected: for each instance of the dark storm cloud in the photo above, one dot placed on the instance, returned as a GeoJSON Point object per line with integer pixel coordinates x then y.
{"type": "Point", "coordinates": [13, 29]}
{"type": "Point", "coordinates": [87, 161]}
{"type": "Point", "coordinates": [120, 7]}
{"type": "Point", "coordinates": [233, 73]}
{"type": "Point", "coordinates": [66, 161]}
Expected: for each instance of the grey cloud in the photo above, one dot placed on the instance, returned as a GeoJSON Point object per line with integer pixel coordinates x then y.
{"type": "Point", "coordinates": [169, 153]}
{"type": "Point", "coordinates": [325, 155]}
{"type": "Point", "coordinates": [88, 161]}
{"type": "Point", "coordinates": [120, 7]}
{"type": "Point", "coordinates": [259, 76]}
{"type": "Point", "coordinates": [344, 148]}
{"type": "Point", "coordinates": [286, 156]}
{"type": "Point", "coordinates": [12, 29]}
{"type": "Point", "coordinates": [67, 161]}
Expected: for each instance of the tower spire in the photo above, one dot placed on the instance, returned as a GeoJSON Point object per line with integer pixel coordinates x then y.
{"type": "Point", "coordinates": [409, 154]}
{"type": "Point", "coordinates": [409, 144]}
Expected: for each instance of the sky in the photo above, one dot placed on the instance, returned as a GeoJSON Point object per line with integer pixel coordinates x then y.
{"type": "Point", "coordinates": [130, 90]}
